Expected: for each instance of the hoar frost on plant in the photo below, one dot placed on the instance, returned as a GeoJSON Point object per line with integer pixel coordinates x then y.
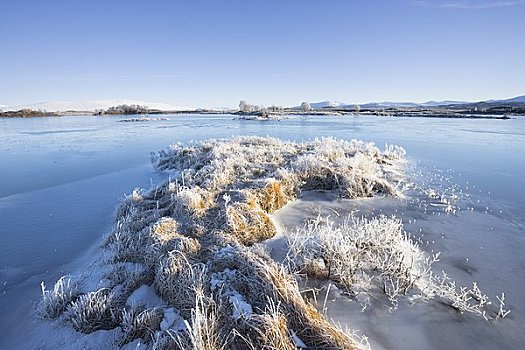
{"type": "Point", "coordinates": [194, 240]}
{"type": "Point", "coordinates": [54, 302]}
{"type": "Point", "coordinates": [376, 255]}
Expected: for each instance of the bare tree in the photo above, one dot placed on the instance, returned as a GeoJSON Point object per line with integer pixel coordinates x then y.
{"type": "Point", "coordinates": [305, 106]}
{"type": "Point", "coordinates": [244, 106]}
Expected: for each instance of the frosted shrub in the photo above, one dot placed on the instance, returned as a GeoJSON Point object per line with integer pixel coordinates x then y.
{"type": "Point", "coordinates": [373, 249]}
{"type": "Point", "coordinates": [204, 329]}
{"type": "Point", "coordinates": [367, 254]}
{"type": "Point", "coordinates": [93, 311]}
{"type": "Point", "coordinates": [176, 281]}
{"type": "Point", "coordinates": [54, 302]}
{"type": "Point", "coordinates": [464, 299]}
{"type": "Point", "coordinates": [249, 225]}
{"type": "Point", "coordinates": [394, 152]}
{"type": "Point", "coordinates": [141, 324]}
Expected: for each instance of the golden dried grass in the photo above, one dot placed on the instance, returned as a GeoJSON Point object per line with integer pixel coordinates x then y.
{"type": "Point", "coordinates": [275, 195]}
{"type": "Point", "coordinates": [249, 224]}
{"type": "Point", "coordinates": [223, 197]}
{"type": "Point", "coordinates": [165, 230]}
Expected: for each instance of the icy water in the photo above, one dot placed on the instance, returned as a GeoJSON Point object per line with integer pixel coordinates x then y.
{"type": "Point", "coordinates": [61, 179]}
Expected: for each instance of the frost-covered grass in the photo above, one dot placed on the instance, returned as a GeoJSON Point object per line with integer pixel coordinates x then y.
{"type": "Point", "coordinates": [94, 311]}
{"type": "Point", "coordinates": [143, 324]}
{"type": "Point", "coordinates": [54, 302]}
{"type": "Point", "coordinates": [194, 240]}
{"type": "Point", "coordinates": [376, 256]}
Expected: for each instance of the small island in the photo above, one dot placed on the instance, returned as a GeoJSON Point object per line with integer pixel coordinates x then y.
{"type": "Point", "coordinates": [28, 113]}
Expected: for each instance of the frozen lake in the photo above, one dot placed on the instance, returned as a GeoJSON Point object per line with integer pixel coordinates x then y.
{"type": "Point", "coordinates": [61, 180]}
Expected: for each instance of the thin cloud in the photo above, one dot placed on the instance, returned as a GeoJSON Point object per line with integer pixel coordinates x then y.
{"type": "Point", "coordinates": [469, 4]}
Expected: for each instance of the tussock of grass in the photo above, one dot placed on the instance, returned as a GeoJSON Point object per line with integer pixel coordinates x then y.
{"type": "Point", "coordinates": [54, 302]}
{"type": "Point", "coordinates": [141, 324]}
{"type": "Point", "coordinates": [94, 311]}
{"type": "Point", "coordinates": [176, 280]}
{"type": "Point", "coordinates": [124, 279]}
{"type": "Point", "coordinates": [165, 230]}
{"type": "Point", "coordinates": [194, 238]}
{"type": "Point", "coordinates": [249, 225]}
{"type": "Point", "coordinates": [269, 328]}
{"type": "Point", "coordinates": [204, 331]}
{"type": "Point", "coordinates": [377, 256]}
{"type": "Point", "coordinates": [275, 194]}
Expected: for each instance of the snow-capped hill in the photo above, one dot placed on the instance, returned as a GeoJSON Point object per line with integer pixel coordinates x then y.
{"type": "Point", "coordinates": [387, 104]}
{"type": "Point", "coordinates": [326, 104]}
{"type": "Point", "coordinates": [323, 104]}
{"type": "Point", "coordinates": [518, 99]}
{"type": "Point", "coordinates": [441, 103]}
{"type": "Point", "coordinates": [92, 105]}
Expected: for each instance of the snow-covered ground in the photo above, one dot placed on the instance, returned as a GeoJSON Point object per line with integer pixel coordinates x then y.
{"type": "Point", "coordinates": [61, 179]}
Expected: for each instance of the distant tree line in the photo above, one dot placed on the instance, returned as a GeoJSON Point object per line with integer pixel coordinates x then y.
{"type": "Point", "coordinates": [245, 107]}
{"type": "Point", "coordinates": [28, 113]}
{"type": "Point", "coordinates": [124, 109]}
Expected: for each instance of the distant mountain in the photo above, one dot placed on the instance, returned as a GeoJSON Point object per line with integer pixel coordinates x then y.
{"type": "Point", "coordinates": [323, 104]}
{"type": "Point", "coordinates": [388, 104]}
{"type": "Point", "coordinates": [90, 105]}
{"type": "Point", "coordinates": [409, 104]}
{"type": "Point", "coordinates": [518, 99]}
{"type": "Point", "coordinates": [440, 103]}
{"type": "Point", "coordinates": [326, 104]}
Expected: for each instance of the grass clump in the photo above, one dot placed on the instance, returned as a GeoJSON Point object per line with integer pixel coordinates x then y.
{"type": "Point", "coordinates": [54, 302]}
{"type": "Point", "coordinates": [176, 280]}
{"type": "Point", "coordinates": [194, 239]}
{"type": "Point", "coordinates": [376, 256]}
{"type": "Point", "coordinates": [94, 311]}
{"type": "Point", "coordinates": [142, 324]}
{"type": "Point", "coordinates": [249, 224]}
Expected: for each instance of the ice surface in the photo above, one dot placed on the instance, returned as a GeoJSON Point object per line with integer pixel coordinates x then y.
{"type": "Point", "coordinates": [61, 178]}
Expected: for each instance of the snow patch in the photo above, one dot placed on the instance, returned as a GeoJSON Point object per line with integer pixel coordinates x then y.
{"type": "Point", "coordinates": [144, 296]}
{"type": "Point", "coordinates": [172, 320]}
{"type": "Point", "coordinates": [240, 307]}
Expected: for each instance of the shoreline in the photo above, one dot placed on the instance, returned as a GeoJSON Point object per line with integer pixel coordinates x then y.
{"type": "Point", "coordinates": [273, 116]}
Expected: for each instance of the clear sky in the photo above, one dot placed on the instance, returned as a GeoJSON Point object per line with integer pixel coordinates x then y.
{"type": "Point", "coordinates": [217, 52]}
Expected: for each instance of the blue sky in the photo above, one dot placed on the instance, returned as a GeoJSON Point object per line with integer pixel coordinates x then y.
{"type": "Point", "coordinates": [215, 53]}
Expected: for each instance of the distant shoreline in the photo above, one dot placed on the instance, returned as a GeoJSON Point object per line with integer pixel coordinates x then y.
{"type": "Point", "coordinates": [391, 112]}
